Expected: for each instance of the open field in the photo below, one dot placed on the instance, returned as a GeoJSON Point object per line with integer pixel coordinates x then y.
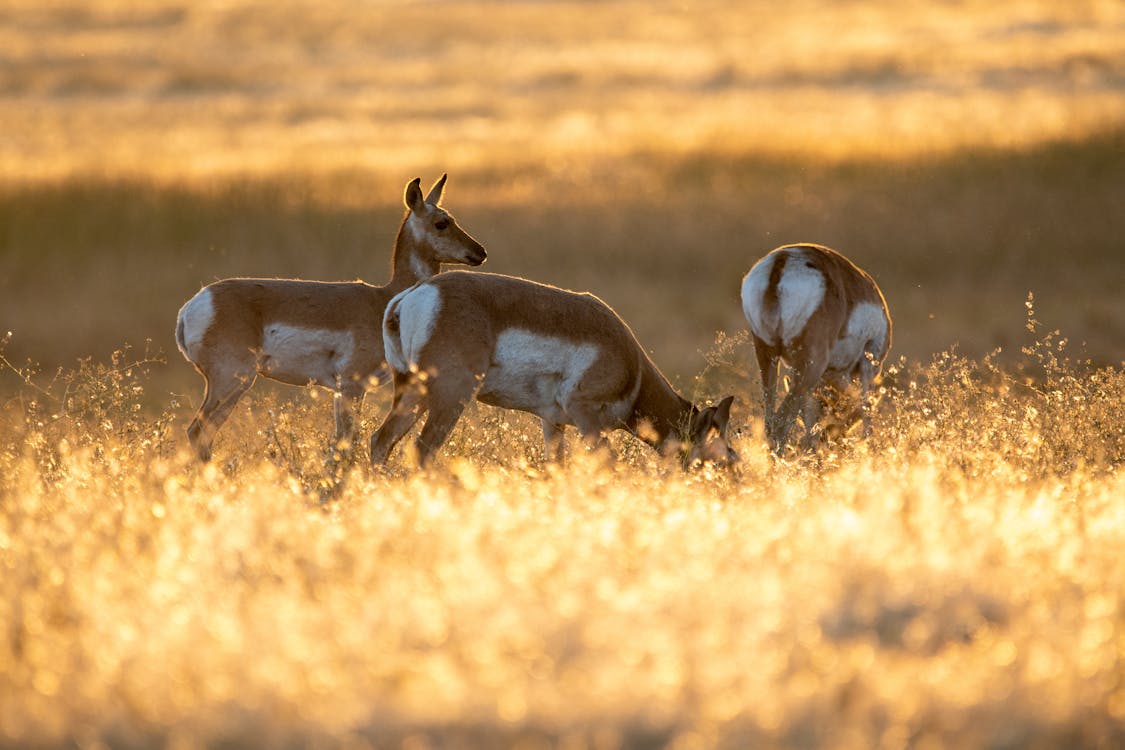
{"type": "Point", "coordinates": [956, 581]}
{"type": "Point", "coordinates": [956, 244]}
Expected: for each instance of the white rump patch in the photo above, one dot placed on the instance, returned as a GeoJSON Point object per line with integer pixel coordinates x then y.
{"type": "Point", "coordinates": [293, 354]}
{"type": "Point", "coordinates": [799, 292]}
{"type": "Point", "coordinates": [754, 286]}
{"type": "Point", "coordinates": [195, 317]}
{"type": "Point", "coordinates": [867, 329]}
{"type": "Point", "coordinates": [417, 309]}
{"type": "Point", "coordinates": [535, 372]}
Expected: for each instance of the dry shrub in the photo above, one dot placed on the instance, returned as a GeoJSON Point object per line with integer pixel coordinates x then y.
{"type": "Point", "coordinates": [1047, 415]}
{"type": "Point", "coordinates": [956, 580]}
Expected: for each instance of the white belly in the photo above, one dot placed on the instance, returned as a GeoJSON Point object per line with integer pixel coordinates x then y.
{"type": "Point", "coordinates": [293, 354]}
{"type": "Point", "coordinates": [536, 373]}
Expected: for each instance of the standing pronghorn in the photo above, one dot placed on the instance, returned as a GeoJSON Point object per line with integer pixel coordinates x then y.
{"type": "Point", "coordinates": [562, 356]}
{"type": "Point", "coordinates": [812, 307]}
{"type": "Point", "coordinates": [310, 332]}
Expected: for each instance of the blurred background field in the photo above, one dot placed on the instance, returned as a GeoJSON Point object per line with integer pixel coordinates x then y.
{"type": "Point", "coordinates": [965, 153]}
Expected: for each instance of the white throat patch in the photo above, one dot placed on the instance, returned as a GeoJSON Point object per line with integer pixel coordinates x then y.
{"type": "Point", "coordinates": [420, 268]}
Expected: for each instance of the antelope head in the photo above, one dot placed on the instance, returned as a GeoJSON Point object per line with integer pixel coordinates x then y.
{"type": "Point", "coordinates": [437, 237]}
{"type": "Point", "coordinates": [707, 436]}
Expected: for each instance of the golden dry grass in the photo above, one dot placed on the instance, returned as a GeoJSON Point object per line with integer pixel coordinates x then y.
{"type": "Point", "coordinates": [956, 581]}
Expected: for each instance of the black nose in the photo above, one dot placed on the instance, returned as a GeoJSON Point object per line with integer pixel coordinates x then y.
{"type": "Point", "coordinates": [478, 256]}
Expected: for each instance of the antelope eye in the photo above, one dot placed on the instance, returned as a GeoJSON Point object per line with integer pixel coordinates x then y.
{"type": "Point", "coordinates": [441, 224]}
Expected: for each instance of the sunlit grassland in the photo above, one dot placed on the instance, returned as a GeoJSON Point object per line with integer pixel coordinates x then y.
{"type": "Point", "coordinates": [955, 581]}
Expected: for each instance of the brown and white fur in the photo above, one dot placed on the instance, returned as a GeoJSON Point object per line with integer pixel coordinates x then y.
{"type": "Point", "coordinates": [310, 332]}
{"type": "Point", "coordinates": [562, 356]}
{"type": "Point", "coordinates": [813, 308]}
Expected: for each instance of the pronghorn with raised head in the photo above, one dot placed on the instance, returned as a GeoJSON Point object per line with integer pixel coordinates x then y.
{"type": "Point", "coordinates": [562, 356]}
{"type": "Point", "coordinates": [815, 309]}
{"type": "Point", "coordinates": [311, 332]}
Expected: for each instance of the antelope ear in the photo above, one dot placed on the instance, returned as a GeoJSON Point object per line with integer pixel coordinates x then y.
{"type": "Point", "coordinates": [701, 423]}
{"type": "Point", "coordinates": [435, 192]}
{"type": "Point", "coordinates": [722, 415]}
{"type": "Point", "coordinates": [413, 195]}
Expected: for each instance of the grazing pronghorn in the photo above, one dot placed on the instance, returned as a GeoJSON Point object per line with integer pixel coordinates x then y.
{"type": "Point", "coordinates": [310, 332]}
{"type": "Point", "coordinates": [812, 307]}
{"type": "Point", "coordinates": [562, 356]}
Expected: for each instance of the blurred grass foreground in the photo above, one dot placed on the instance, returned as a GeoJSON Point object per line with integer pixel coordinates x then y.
{"type": "Point", "coordinates": [955, 581]}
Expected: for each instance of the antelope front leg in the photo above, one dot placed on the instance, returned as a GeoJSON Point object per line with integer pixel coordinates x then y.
{"type": "Point", "coordinates": [808, 372]}
{"type": "Point", "coordinates": [867, 370]}
{"type": "Point", "coordinates": [810, 415]}
{"type": "Point", "coordinates": [346, 404]}
{"type": "Point", "coordinates": [554, 441]}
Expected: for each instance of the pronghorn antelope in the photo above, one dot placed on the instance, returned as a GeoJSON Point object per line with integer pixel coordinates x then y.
{"type": "Point", "coordinates": [311, 332]}
{"type": "Point", "coordinates": [812, 307]}
{"type": "Point", "coordinates": [562, 356]}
